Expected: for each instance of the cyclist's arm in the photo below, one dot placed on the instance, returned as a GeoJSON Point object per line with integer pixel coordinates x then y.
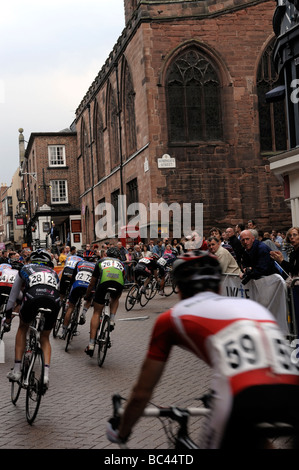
{"type": "Point", "coordinates": [149, 376]}
{"type": "Point", "coordinates": [14, 294]}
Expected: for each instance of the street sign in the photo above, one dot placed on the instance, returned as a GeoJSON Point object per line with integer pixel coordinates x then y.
{"type": "Point", "coordinates": [166, 162]}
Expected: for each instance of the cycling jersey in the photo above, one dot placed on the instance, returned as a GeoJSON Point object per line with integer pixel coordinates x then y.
{"type": "Point", "coordinates": [5, 266]}
{"type": "Point", "coordinates": [7, 278]}
{"type": "Point", "coordinates": [238, 338]}
{"type": "Point", "coordinates": [109, 269]}
{"type": "Point", "coordinates": [67, 272]}
{"type": "Point", "coordinates": [147, 266]}
{"type": "Point", "coordinates": [40, 286]}
{"type": "Point", "coordinates": [110, 272]}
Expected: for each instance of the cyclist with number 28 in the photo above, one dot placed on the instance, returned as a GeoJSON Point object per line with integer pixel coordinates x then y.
{"type": "Point", "coordinates": [108, 272]}
{"type": "Point", "coordinates": [39, 284]}
{"type": "Point", "coordinates": [254, 378]}
{"type": "Point", "coordinates": [80, 279]}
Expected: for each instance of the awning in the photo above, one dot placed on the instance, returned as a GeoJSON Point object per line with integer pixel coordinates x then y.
{"type": "Point", "coordinates": [277, 94]}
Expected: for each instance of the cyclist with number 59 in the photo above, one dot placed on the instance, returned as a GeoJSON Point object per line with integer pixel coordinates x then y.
{"type": "Point", "coordinates": [108, 272]}
{"type": "Point", "coordinates": [79, 281]}
{"type": "Point", "coordinates": [39, 284]}
{"type": "Point", "coordinates": [254, 377]}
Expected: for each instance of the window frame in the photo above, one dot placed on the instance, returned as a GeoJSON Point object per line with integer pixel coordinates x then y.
{"type": "Point", "coordinates": [55, 164]}
{"type": "Point", "coordinates": [52, 185]}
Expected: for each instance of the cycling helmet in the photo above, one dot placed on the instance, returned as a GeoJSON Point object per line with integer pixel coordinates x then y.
{"type": "Point", "coordinates": [196, 271]}
{"type": "Point", "coordinates": [16, 264]}
{"type": "Point", "coordinates": [41, 256]}
{"type": "Point", "coordinates": [156, 256]}
{"type": "Point", "coordinates": [113, 253]}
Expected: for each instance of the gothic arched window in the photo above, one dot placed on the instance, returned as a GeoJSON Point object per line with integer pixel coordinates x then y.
{"type": "Point", "coordinates": [85, 152]}
{"type": "Point", "coordinates": [193, 99]}
{"type": "Point", "coordinates": [113, 128]}
{"type": "Point", "coordinates": [272, 116]}
{"type": "Point", "coordinates": [129, 112]}
{"type": "Point", "coordinates": [99, 141]}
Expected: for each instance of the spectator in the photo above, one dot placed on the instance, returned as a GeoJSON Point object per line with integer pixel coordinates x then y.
{"type": "Point", "coordinates": [88, 252]}
{"type": "Point", "coordinates": [227, 261]}
{"type": "Point", "coordinates": [238, 229]}
{"type": "Point", "coordinates": [267, 240]}
{"type": "Point", "coordinates": [235, 243]}
{"type": "Point", "coordinates": [62, 256]}
{"type": "Point", "coordinates": [130, 264]}
{"type": "Point", "coordinates": [291, 266]}
{"type": "Point", "coordinates": [151, 245]}
{"type": "Point", "coordinates": [251, 225]}
{"type": "Point", "coordinates": [123, 251]}
{"type": "Point", "coordinates": [159, 248]}
{"type": "Point", "coordinates": [145, 251]}
{"type": "Point", "coordinates": [277, 239]}
{"type": "Point", "coordinates": [177, 246]}
{"type": "Point", "coordinates": [137, 254]}
{"type": "Point", "coordinates": [54, 233]}
{"type": "Point", "coordinates": [256, 259]}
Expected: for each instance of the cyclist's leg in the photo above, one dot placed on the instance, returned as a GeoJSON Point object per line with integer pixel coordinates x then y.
{"type": "Point", "coordinates": [20, 343]}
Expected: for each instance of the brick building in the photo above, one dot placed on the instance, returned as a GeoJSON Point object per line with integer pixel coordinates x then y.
{"type": "Point", "coordinates": [186, 80]}
{"type": "Point", "coordinates": [50, 187]}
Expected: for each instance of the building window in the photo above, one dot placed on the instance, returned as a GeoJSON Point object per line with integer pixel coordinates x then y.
{"type": "Point", "coordinates": [132, 191]}
{"type": "Point", "coordinates": [113, 129]}
{"type": "Point", "coordinates": [56, 155]}
{"type": "Point", "coordinates": [193, 99]}
{"type": "Point", "coordinates": [129, 112]}
{"type": "Point", "coordinates": [272, 116]}
{"type": "Point", "coordinates": [99, 138]}
{"type": "Point", "coordinates": [59, 192]}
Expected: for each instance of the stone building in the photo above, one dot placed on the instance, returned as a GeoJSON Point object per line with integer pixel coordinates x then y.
{"type": "Point", "coordinates": [177, 114]}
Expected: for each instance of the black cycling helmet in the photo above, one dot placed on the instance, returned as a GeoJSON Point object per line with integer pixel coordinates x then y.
{"type": "Point", "coordinates": [113, 252]}
{"type": "Point", "coordinates": [16, 264]}
{"type": "Point", "coordinates": [41, 256]}
{"type": "Point", "coordinates": [196, 271]}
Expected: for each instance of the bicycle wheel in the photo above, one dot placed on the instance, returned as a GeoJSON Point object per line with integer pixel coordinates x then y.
{"type": "Point", "coordinates": [151, 289]}
{"type": "Point", "coordinates": [168, 285]}
{"type": "Point", "coordinates": [104, 340]}
{"type": "Point", "coordinates": [35, 388]}
{"type": "Point", "coordinates": [60, 318]}
{"type": "Point", "coordinates": [131, 298]}
{"type": "Point", "coordinates": [144, 299]}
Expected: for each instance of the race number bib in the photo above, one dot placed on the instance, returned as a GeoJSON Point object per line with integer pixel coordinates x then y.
{"type": "Point", "coordinates": [70, 263]}
{"type": "Point", "coordinates": [240, 347]}
{"type": "Point", "coordinates": [161, 261]}
{"type": "Point", "coordinates": [145, 260]}
{"type": "Point", "coordinates": [8, 278]}
{"type": "Point", "coordinates": [112, 263]}
{"type": "Point", "coordinates": [83, 277]}
{"type": "Point", "coordinates": [43, 278]}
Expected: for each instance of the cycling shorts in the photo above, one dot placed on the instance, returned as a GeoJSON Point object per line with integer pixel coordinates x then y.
{"type": "Point", "coordinates": [36, 297]}
{"type": "Point", "coordinates": [65, 280]}
{"type": "Point", "coordinates": [101, 290]}
{"type": "Point", "coordinates": [75, 293]}
{"type": "Point", "coordinates": [142, 272]}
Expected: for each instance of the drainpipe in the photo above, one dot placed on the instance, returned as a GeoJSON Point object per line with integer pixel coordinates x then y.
{"type": "Point", "coordinates": [92, 173]}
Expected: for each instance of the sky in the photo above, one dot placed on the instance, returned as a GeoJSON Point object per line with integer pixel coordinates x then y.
{"type": "Point", "coordinates": [50, 53]}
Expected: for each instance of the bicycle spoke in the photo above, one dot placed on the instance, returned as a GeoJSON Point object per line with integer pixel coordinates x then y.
{"type": "Point", "coordinates": [35, 388]}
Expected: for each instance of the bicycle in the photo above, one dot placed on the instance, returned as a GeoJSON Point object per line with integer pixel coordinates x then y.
{"type": "Point", "coordinates": [72, 329]}
{"type": "Point", "coordinates": [32, 369]}
{"type": "Point", "coordinates": [136, 295]}
{"type": "Point", "coordinates": [62, 311]}
{"type": "Point", "coordinates": [169, 283]}
{"type": "Point", "coordinates": [179, 438]}
{"type": "Point", "coordinates": [103, 333]}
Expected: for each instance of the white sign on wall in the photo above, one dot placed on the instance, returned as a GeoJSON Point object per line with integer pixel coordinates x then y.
{"type": "Point", "coordinates": [166, 162]}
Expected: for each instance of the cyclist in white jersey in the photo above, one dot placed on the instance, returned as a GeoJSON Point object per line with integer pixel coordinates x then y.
{"type": "Point", "coordinates": [255, 377]}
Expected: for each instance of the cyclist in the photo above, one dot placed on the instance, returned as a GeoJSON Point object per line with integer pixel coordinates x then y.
{"type": "Point", "coordinates": [7, 278]}
{"type": "Point", "coordinates": [39, 285]}
{"type": "Point", "coordinates": [67, 273]}
{"type": "Point", "coordinates": [151, 266]}
{"type": "Point", "coordinates": [108, 272]}
{"type": "Point", "coordinates": [79, 281]}
{"type": "Point", "coordinates": [254, 378]}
